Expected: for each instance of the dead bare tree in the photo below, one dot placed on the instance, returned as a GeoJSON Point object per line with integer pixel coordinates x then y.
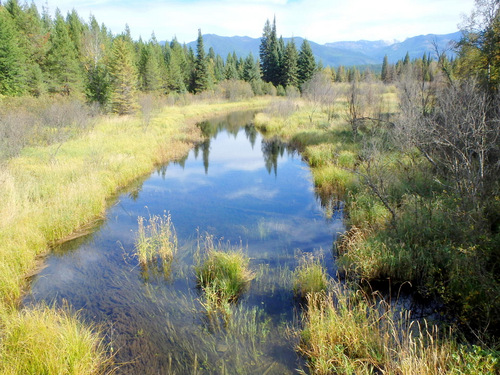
{"type": "Point", "coordinates": [321, 93]}
{"type": "Point", "coordinates": [460, 138]}
{"type": "Point", "coordinates": [364, 104]}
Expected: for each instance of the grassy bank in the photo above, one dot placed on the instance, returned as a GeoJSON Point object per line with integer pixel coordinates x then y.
{"type": "Point", "coordinates": [54, 192]}
{"type": "Point", "coordinates": [404, 224]}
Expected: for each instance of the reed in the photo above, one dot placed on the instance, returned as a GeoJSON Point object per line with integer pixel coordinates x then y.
{"type": "Point", "coordinates": [351, 332]}
{"type": "Point", "coordinates": [156, 242]}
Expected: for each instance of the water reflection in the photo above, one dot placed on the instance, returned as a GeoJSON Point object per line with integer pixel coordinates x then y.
{"type": "Point", "coordinates": [261, 197]}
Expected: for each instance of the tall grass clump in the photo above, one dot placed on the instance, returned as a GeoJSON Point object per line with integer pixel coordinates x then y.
{"type": "Point", "coordinates": [352, 333]}
{"type": "Point", "coordinates": [309, 277]}
{"type": "Point", "coordinates": [34, 343]}
{"type": "Point", "coordinates": [222, 273]}
{"type": "Point", "coordinates": [340, 334]}
{"type": "Point", "coordinates": [156, 242]}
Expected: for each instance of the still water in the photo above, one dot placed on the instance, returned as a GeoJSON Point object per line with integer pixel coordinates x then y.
{"type": "Point", "coordinates": [242, 190]}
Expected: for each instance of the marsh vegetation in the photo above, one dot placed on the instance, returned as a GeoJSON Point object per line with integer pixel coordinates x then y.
{"type": "Point", "coordinates": [405, 167]}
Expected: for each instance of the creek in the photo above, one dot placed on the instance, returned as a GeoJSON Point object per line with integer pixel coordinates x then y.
{"type": "Point", "coordinates": [237, 187]}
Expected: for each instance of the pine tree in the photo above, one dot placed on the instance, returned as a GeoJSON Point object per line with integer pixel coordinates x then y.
{"type": "Point", "coordinates": [12, 58]}
{"type": "Point", "coordinates": [124, 77]}
{"type": "Point", "coordinates": [65, 72]}
{"type": "Point", "coordinates": [341, 74]}
{"type": "Point", "coordinates": [385, 70]}
{"type": "Point", "coordinates": [219, 69]}
{"type": "Point", "coordinates": [75, 28]}
{"type": "Point", "coordinates": [264, 51]}
{"type": "Point", "coordinates": [306, 63]}
{"type": "Point", "coordinates": [289, 66]}
{"type": "Point", "coordinates": [201, 81]}
{"type": "Point", "coordinates": [269, 54]}
{"type": "Point", "coordinates": [230, 70]}
{"type": "Point", "coordinates": [406, 61]}
{"type": "Point", "coordinates": [176, 67]}
{"type": "Point", "coordinates": [149, 68]}
{"type": "Point", "coordinates": [251, 71]}
{"type": "Point", "coordinates": [33, 41]}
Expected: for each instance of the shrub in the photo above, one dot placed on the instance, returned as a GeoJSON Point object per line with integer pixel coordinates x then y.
{"type": "Point", "coordinates": [234, 90]}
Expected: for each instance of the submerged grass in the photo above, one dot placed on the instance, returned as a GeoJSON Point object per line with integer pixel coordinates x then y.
{"type": "Point", "coordinates": [50, 192]}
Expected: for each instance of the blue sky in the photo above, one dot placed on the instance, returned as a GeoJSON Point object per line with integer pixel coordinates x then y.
{"type": "Point", "coordinates": [320, 21]}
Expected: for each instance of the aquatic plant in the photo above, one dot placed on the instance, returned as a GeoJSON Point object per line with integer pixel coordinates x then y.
{"type": "Point", "coordinates": [222, 273]}
{"type": "Point", "coordinates": [156, 242]}
{"type": "Point", "coordinates": [310, 276]}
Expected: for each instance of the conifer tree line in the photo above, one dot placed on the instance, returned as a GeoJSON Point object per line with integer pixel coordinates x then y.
{"type": "Point", "coordinates": [65, 55]}
{"type": "Point", "coordinates": [283, 65]}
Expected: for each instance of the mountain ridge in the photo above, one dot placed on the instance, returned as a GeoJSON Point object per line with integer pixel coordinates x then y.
{"type": "Point", "coordinates": [346, 53]}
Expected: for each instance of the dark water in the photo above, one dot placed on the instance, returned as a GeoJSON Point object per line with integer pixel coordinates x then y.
{"type": "Point", "coordinates": [242, 190]}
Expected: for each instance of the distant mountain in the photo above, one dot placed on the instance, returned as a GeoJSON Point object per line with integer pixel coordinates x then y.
{"type": "Point", "coordinates": [395, 51]}
{"type": "Point", "coordinates": [347, 53]}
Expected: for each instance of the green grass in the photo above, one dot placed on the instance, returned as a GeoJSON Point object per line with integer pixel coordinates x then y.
{"type": "Point", "coordinates": [222, 273]}
{"type": "Point", "coordinates": [309, 277]}
{"type": "Point", "coordinates": [45, 340]}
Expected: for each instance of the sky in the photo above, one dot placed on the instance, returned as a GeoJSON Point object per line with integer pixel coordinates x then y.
{"type": "Point", "coordinates": [320, 21]}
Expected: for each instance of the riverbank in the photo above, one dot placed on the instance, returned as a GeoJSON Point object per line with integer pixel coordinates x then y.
{"type": "Point", "coordinates": [403, 227]}
{"type": "Point", "coordinates": [53, 192]}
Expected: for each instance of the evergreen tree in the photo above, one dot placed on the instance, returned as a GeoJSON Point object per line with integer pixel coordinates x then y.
{"type": "Point", "coordinates": [149, 68]}
{"type": "Point", "coordinates": [33, 41]}
{"type": "Point", "coordinates": [269, 54]}
{"type": "Point", "coordinates": [12, 58]}
{"type": "Point", "coordinates": [95, 44]}
{"type": "Point", "coordinates": [306, 63]}
{"type": "Point", "coordinates": [177, 67]}
{"type": "Point", "coordinates": [124, 77]}
{"type": "Point", "coordinates": [230, 70]}
{"type": "Point", "coordinates": [201, 81]}
{"type": "Point", "coordinates": [353, 75]}
{"type": "Point", "coordinates": [264, 48]}
{"type": "Point", "coordinates": [406, 61]}
{"type": "Point", "coordinates": [219, 69]}
{"type": "Point", "coordinates": [385, 70]}
{"type": "Point", "coordinates": [251, 71]}
{"type": "Point", "coordinates": [341, 75]}
{"type": "Point", "coordinates": [63, 65]}
{"type": "Point", "coordinates": [289, 66]}
{"type": "Point", "coordinates": [76, 29]}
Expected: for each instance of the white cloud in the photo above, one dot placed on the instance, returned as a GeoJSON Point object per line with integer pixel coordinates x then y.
{"type": "Point", "coordinates": [253, 191]}
{"type": "Point", "coordinates": [319, 20]}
